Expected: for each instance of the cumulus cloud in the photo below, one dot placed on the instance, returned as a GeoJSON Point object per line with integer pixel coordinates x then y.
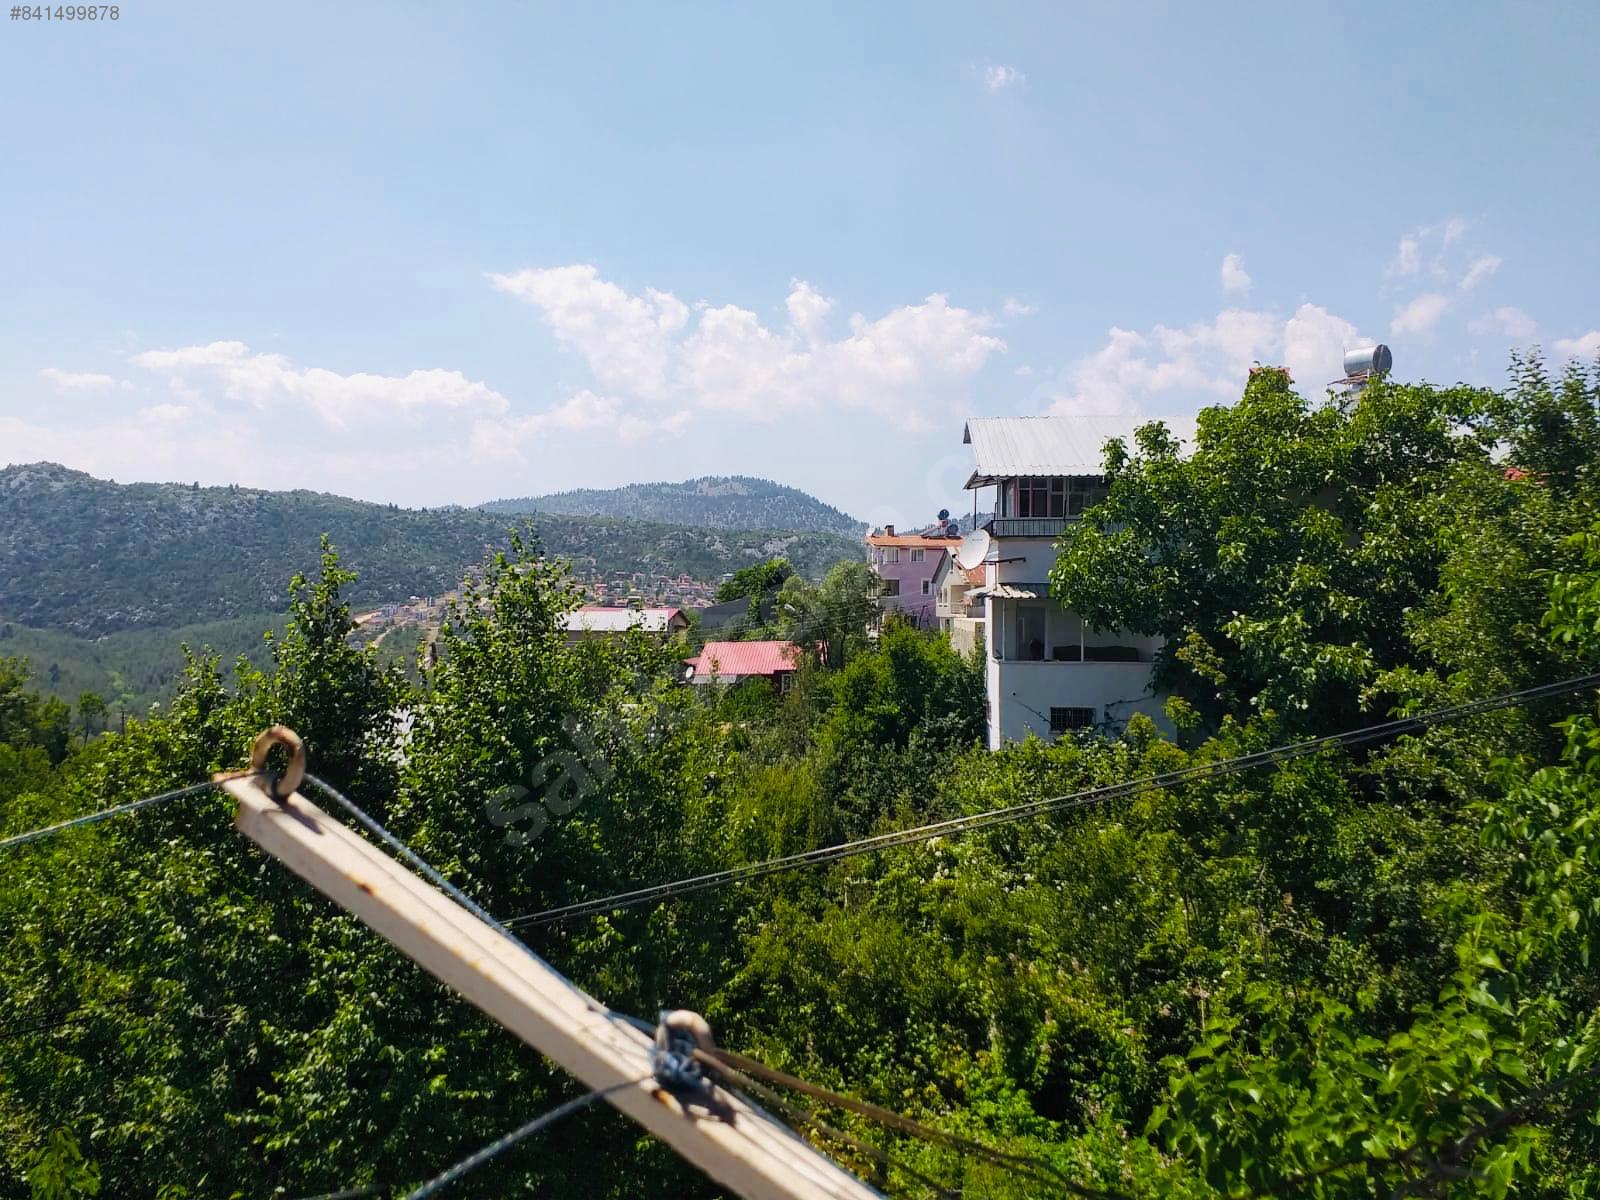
{"type": "Point", "coordinates": [626, 339]}
{"type": "Point", "coordinates": [273, 382]}
{"type": "Point", "coordinates": [1234, 277]}
{"type": "Point", "coordinates": [646, 348]}
{"type": "Point", "coordinates": [80, 381]}
{"type": "Point", "coordinates": [1425, 249]}
{"type": "Point", "coordinates": [1478, 270]}
{"type": "Point", "coordinates": [1012, 307]}
{"type": "Point", "coordinates": [1420, 315]}
{"type": "Point", "coordinates": [1509, 321]}
{"type": "Point", "coordinates": [1201, 363]}
{"type": "Point", "coordinates": [998, 77]}
{"type": "Point", "coordinates": [1408, 258]}
{"type": "Point", "coordinates": [1584, 346]}
{"type": "Point", "coordinates": [583, 412]}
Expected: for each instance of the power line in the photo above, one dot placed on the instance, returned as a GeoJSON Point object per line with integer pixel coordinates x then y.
{"type": "Point", "coordinates": [476, 1160]}
{"type": "Point", "coordinates": [1035, 808]}
{"type": "Point", "coordinates": [105, 813]}
{"type": "Point", "coordinates": [741, 1068]}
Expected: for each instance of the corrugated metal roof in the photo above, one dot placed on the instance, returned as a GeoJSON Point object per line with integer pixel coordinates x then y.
{"type": "Point", "coordinates": [1023, 446]}
{"type": "Point", "coordinates": [1014, 591]}
{"type": "Point", "coordinates": [595, 618]}
{"type": "Point", "coordinates": [744, 658]}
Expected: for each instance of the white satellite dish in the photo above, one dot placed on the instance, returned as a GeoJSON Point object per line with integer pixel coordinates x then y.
{"type": "Point", "coordinates": [973, 550]}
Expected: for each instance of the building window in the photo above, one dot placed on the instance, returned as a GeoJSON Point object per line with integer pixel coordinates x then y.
{"type": "Point", "coordinates": [916, 555]}
{"type": "Point", "coordinates": [1063, 719]}
{"type": "Point", "coordinates": [891, 554]}
{"type": "Point", "coordinates": [1056, 496]}
{"type": "Point", "coordinates": [927, 587]}
{"type": "Point", "coordinates": [891, 587]}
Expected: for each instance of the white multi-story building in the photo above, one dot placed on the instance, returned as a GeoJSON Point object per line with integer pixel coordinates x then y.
{"type": "Point", "coordinates": [1047, 671]}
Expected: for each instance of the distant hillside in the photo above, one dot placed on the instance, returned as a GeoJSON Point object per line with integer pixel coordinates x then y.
{"type": "Point", "coordinates": [91, 557]}
{"type": "Point", "coordinates": [135, 668]}
{"type": "Point", "coordinates": [711, 502]}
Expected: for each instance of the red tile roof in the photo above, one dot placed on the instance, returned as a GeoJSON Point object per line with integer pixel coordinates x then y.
{"type": "Point", "coordinates": [745, 658]}
{"type": "Point", "coordinates": [912, 539]}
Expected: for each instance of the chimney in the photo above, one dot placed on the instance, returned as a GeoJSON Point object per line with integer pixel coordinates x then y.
{"type": "Point", "coordinates": [888, 530]}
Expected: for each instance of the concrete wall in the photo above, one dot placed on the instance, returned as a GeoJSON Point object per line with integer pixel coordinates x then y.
{"type": "Point", "coordinates": [966, 633]}
{"type": "Point", "coordinates": [1021, 695]}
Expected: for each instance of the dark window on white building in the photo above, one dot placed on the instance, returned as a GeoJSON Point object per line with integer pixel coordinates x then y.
{"type": "Point", "coordinates": [1063, 719]}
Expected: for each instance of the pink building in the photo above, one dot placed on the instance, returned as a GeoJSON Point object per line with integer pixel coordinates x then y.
{"type": "Point", "coordinates": [905, 565]}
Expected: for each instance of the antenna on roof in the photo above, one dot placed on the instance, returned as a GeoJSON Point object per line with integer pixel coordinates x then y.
{"type": "Point", "coordinates": [973, 550]}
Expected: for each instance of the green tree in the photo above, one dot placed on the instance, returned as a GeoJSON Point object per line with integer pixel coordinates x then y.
{"type": "Point", "coordinates": [92, 714]}
{"type": "Point", "coordinates": [833, 616]}
{"type": "Point", "coordinates": [1301, 553]}
{"type": "Point", "coordinates": [755, 580]}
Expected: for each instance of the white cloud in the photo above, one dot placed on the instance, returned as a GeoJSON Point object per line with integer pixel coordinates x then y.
{"type": "Point", "coordinates": [583, 412]}
{"type": "Point", "coordinates": [727, 360]}
{"type": "Point", "coordinates": [1012, 307]}
{"type": "Point", "coordinates": [1200, 363]}
{"type": "Point", "coordinates": [808, 309]}
{"type": "Point", "coordinates": [1585, 346]}
{"type": "Point", "coordinates": [271, 382]}
{"type": "Point", "coordinates": [1420, 315]}
{"type": "Point", "coordinates": [1478, 270]}
{"type": "Point", "coordinates": [1425, 248]}
{"type": "Point", "coordinates": [626, 339]}
{"type": "Point", "coordinates": [1408, 258]}
{"type": "Point", "coordinates": [1234, 277]}
{"type": "Point", "coordinates": [1509, 321]}
{"type": "Point", "coordinates": [998, 78]}
{"type": "Point", "coordinates": [80, 381]}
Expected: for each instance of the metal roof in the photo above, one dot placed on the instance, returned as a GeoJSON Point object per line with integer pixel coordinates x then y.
{"type": "Point", "coordinates": [1014, 591]}
{"type": "Point", "coordinates": [595, 618]}
{"type": "Point", "coordinates": [1036, 446]}
{"type": "Point", "coordinates": [737, 659]}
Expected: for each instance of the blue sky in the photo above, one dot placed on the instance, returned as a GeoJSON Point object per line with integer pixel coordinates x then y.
{"type": "Point", "coordinates": [444, 253]}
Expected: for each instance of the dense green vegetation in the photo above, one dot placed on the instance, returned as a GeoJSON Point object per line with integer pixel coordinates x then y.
{"type": "Point", "coordinates": [135, 668]}
{"type": "Point", "coordinates": [710, 502]}
{"type": "Point", "coordinates": [89, 557]}
{"type": "Point", "coordinates": [1359, 974]}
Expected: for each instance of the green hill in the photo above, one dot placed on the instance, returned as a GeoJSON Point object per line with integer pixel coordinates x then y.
{"type": "Point", "coordinates": [91, 557]}
{"type": "Point", "coordinates": [710, 502]}
{"type": "Point", "coordinates": [135, 668]}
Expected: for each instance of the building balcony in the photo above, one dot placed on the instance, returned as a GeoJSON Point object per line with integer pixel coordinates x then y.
{"type": "Point", "coordinates": [1028, 527]}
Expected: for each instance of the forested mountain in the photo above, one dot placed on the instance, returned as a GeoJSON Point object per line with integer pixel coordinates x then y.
{"type": "Point", "coordinates": [91, 556]}
{"type": "Point", "coordinates": [132, 668]}
{"type": "Point", "coordinates": [710, 502]}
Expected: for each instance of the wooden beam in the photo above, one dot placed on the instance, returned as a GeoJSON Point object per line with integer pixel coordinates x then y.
{"type": "Point", "coordinates": [742, 1148]}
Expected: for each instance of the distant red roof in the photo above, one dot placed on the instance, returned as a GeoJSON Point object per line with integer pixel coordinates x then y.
{"type": "Point", "coordinates": [912, 539]}
{"type": "Point", "coordinates": [745, 658]}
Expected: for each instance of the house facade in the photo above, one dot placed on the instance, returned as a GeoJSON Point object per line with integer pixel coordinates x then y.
{"type": "Point", "coordinates": [905, 565]}
{"type": "Point", "coordinates": [1047, 671]}
{"type": "Point", "coordinates": [958, 610]}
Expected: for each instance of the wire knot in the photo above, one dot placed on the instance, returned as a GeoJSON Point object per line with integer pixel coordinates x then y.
{"type": "Point", "coordinates": [679, 1035]}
